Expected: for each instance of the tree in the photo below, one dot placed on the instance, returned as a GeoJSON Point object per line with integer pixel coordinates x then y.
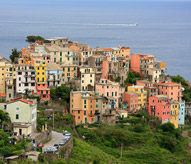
{"type": "Point", "coordinates": [62, 92]}
{"type": "Point", "coordinates": [117, 79]}
{"type": "Point", "coordinates": [132, 77]}
{"type": "Point", "coordinates": [33, 39]}
{"type": "Point", "coordinates": [14, 56]}
{"type": "Point", "coordinates": [3, 118]}
{"type": "Point", "coordinates": [168, 127]}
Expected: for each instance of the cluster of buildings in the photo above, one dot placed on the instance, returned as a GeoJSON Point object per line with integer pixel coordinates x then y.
{"type": "Point", "coordinates": [98, 77]}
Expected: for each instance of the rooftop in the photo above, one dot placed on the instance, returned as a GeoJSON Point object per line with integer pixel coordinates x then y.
{"type": "Point", "coordinates": [52, 66]}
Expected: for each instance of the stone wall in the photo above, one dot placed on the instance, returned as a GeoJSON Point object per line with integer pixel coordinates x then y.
{"type": "Point", "coordinates": [43, 137]}
{"type": "Point", "coordinates": [63, 152]}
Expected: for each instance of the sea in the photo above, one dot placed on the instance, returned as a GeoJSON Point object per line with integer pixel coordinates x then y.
{"type": "Point", "coordinates": [161, 28]}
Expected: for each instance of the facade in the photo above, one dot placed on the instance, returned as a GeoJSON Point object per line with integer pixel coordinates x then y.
{"type": "Point", "coordinates": [95, 62]}
{"type": "Point", "coordinates": [26, 78]}
{"type": "Point", "coordinates": [148, 86]}
{"type": "Point", "coordinates": [69, 73]}
{"type": "Point", "coordinates": [7, 76]}
{"type": "Point", "coordinates": [43, 91]}
{"type": "Point", "coordinates": [40, 68]}
{"type": "Point", "coordinates": [160, 106]}
{"type": "Point", "coordinates": [107, 67]}
{"type": "Point", "coordinates": [171, 90]}
{"type": "Point", "coordinates": [188, 108]}
{"type": "Point", "coordinates": [82, 106]}
{"type": "Point", "coordinates": [53, 75]}
{"type": "Point", "coordinates": [174, 113]}
{"type": "Point", "coordinates": [142, 95]}
{"type": "Point", "coordinates": [130, 100]}
{"type": "Point", "coordinates": [87, 78]}
{"type": "Point", "coordinates": [23, 115]}
{"type": "Point", "coordinates": [122, 51]}
{"type": "Point", "coordinates": [147, 66]}
{"type": "Point", "coordinates": [181, 113]}
{"type": "Point", "coordinates": [108, 88]}
{"type": "Point", "coordinates": [60, 55]}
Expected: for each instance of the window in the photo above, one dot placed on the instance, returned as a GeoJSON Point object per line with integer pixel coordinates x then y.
{"type": "Point", "coordinates": [84, 106]}
{"type": "Point", "coordinates": [19, 84]}
{"type": "Point", "coordinates": [107, 93]}
{"type": "Point", "coordinates": [17, 109]}
{"type": "Point", "coordinates": [84, 112]}
{"type": "Point", "coordinates": [78, 111]}
{"type": "Point", "coordinates": [19, 78]}
{"type": "Point", "coordinates": [63, 69]}
{"type": "Point", "coordinates": [115, 93]}
{"type": "Point", "coordinates": [84, 101]}
{"type": "Point", "coordinates": [9, 95]}
{"type": "Point", "coordinates": [78, 117]}
{"type": "Point", "coordinates": [90, 106]}
{"type": "Point", "coordinates": [17, 116]}
{"type": "Point", "coordinates": [68, 69]}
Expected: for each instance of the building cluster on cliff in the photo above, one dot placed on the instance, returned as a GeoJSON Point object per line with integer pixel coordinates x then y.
{"type": "Point", "coordinates": [97, 76]}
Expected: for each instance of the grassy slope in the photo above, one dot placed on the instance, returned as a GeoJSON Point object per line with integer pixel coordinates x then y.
{"type": "Point", "coordinates": [145, 147]}
{"type": "Point", "coordinates": [84, 153]}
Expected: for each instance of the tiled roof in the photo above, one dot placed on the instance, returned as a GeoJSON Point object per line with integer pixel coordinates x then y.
{"type": "Point", "coordinates": [22, 100]}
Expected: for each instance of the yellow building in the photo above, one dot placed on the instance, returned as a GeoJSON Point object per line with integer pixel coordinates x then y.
{"type": "Point", "coordinates": [69, 72]}
{"type": "Point", "coordinates": [142, 95]}
{"type": "Point", "coordinates": [7, 75]}
{"type": "Point", "coordinates": [174, 113]}
{"type": "Point", "coordinates": [122, 51]}
{"type": "Point", "coordinates": [87, 76]}
{"type": "Point", "coordinates": [40, 68]}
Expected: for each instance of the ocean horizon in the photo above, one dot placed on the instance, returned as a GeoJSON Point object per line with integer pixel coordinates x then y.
{"type": "Point", "coordinates": [159, 28]}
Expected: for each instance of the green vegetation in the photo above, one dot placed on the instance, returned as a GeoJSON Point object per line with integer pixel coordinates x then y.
{"type": "Point", "coordinates": [86, 153]}
{"type": "Point", "coordinates": [33, 39]}
{"type": "Point", "coordinates": [142, 138]}
{"type": "Point", "coordinates": [61, 94]}
{"type": "Point", "coordinates": [14, 56]}
{"type": "Point", "coordinates": [187, 91]}
{"type": "Point", "coordinates": [6, 147]}
{"type": "Point", "coordinates": [117, 79]}
{"type": "Point", "coordinates": [132, 77]}
{"type": "Point", "coordinates": [4, 119]}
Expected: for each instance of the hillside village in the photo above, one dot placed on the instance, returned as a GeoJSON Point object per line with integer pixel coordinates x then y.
{"type": "Point", "coordinates": [104, 85]}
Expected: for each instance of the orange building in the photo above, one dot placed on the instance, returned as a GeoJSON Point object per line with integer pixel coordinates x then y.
{"type": "Point", "coordinates": [136, 62]}
{"type": "Point", "coordinates": [82, 106]}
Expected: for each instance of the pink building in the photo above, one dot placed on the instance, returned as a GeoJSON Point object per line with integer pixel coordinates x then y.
{"type": "Point", "coordinates": [131, 100]}
{"type": "Point", "coordinates": [171, 90]}
{"type": "Point", "coordinates": [136, 62]}
{"type": "Point", "coordinates": [108, 88]}
{"type": "Point", "coordinates": [107, 67]}
{"type": "Point", "coordinates": [43, 91]}
{"type": "Point", "coordinates": [160, 106]}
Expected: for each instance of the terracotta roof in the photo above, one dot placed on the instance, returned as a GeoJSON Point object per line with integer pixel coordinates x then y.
{"type": "Point", "coordinates": [107, 49]}
{"type": "Point", "coordinates": [170, 83]}
{"type": "Point", "coordinates": [22, 100]}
